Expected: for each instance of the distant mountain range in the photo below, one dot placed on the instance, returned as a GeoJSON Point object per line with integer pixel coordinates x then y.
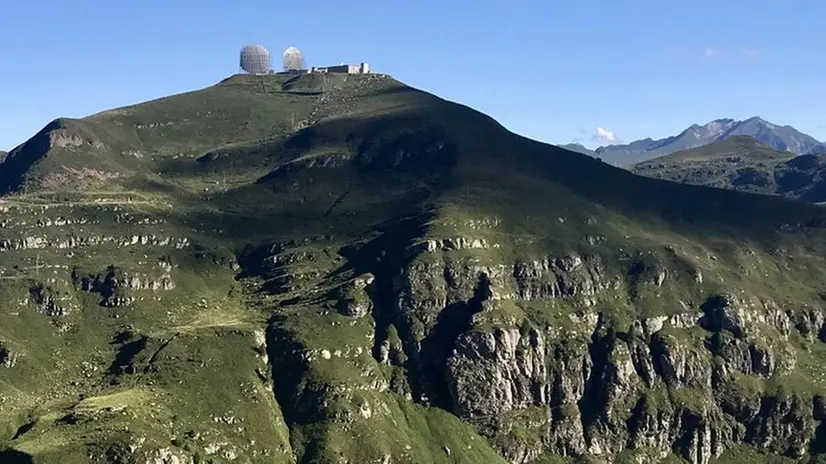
{"type": "Point", "coordinates": [742, 163]}
{"type": "Point", "coordinates": [779, 138]}
{"type": "Point", "coordinates": [817, 150]}
{"type": "Point", "coordinates": [579, 148]}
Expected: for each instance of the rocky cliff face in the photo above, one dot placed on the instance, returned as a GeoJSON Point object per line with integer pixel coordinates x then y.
{"type": "Point", "coordinates": [695, 382]}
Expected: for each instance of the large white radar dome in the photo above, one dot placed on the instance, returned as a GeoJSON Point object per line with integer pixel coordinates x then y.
{"type": "Point", "coordinates": [293, 59]}
{"type": "Point", "coordinates": [255, 59]}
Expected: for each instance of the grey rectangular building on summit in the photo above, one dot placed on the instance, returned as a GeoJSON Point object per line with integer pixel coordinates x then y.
{"type": "Point", "coordinates": [362, 68]}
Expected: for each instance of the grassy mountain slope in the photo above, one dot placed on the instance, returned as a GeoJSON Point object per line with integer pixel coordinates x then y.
{"type": "Point", "coordinates": [345, 269]}
{"type": "Point", "coordinates": [744, 164]}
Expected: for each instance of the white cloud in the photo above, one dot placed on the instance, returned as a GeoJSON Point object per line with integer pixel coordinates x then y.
{"type": "Point", "coordinates": [713, 53]}
{"type": "Point", "coordinates": [604, 135]}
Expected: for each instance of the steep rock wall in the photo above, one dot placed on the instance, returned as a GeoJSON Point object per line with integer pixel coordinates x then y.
{"type": "Point", "coordinates": [597, 385]}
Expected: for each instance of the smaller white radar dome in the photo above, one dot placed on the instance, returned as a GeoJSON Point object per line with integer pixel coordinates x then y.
{"type": "Point", "coordinates": [293, 59]}
{"type": "Point", "coordinates": [255, 59]}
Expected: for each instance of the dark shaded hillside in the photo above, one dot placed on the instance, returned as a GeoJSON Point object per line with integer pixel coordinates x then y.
{"type": "Point", "coordinates": [743, 164]}
{"type": "Point", "coordinates": [323, 269]}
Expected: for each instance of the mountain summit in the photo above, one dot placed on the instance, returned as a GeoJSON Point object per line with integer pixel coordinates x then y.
{"type": "Point", "coordinates": [779, 138]}
{"type": "Point", "coordinates": [341, 268]}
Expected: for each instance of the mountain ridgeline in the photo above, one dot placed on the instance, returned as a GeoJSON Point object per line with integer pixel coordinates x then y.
{"type": "Point", "coordinates": [742, 163]}
{"type": "Point", "coordinates": [780, 138]}
{"type": "Point", "coordinates": [340, 268]}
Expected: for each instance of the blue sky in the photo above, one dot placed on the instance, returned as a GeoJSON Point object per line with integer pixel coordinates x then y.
{"type": "Point", "coordinates": [554, 70]}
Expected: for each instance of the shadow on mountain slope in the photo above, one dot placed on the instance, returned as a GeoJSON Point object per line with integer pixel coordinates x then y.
{"type": "Point", "coordinates": [15, 457]}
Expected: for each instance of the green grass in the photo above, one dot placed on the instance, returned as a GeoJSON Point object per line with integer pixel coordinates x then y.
{"type": "Point", "coordinates": [746, 455]}
{"type": "Point", "coordinates": [287, 188]}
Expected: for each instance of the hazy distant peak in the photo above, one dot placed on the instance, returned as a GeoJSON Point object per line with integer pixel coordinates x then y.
{"type": "Point", "coordinates": [578, 148]}
{"type": "Point", "coordinates": [710, 130]}
{"type": "Point", "coordinates": [780, 138]}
